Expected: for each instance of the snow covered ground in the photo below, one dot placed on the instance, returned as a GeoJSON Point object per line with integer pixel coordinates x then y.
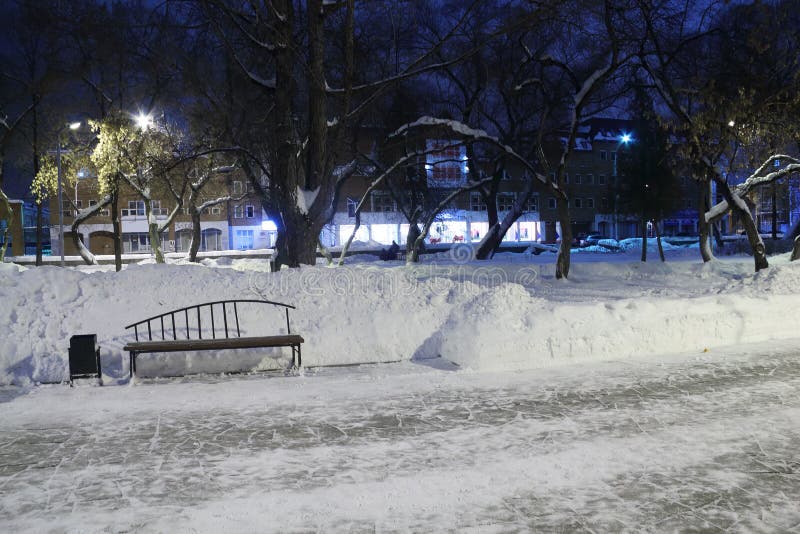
{"type": "Point", "coordinates": [656, 397]}
{"type": "Point", "coordinates": [507, 314]}
{"type": "Point", "coordinates": [692, 442]}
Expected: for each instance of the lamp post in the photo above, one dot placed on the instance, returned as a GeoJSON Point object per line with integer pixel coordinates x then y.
{"type": "Point", "coordinates": [624, 139]}
{"type": "Point", "coordinates": [71, 126]}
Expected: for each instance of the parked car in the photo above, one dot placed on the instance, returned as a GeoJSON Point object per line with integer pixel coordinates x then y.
{"type": "Point", "coordinates": [592, 239]}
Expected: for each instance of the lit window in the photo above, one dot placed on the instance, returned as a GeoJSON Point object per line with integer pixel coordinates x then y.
{"type": "Point", "coordinates": [447, 165]}
{"type": "Point", "coordinates": [245, 239]}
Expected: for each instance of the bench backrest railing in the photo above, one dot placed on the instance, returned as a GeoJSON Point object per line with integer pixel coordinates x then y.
{"type": "Point", "coordinates": [226, 305]}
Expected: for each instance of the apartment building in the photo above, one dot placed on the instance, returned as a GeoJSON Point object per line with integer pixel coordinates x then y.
{"type": "Point", "coordinates": [236, 224]}
{"type": "Point", "coordinates": [592, 185]}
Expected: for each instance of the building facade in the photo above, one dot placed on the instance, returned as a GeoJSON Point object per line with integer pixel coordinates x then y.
{"type": "Point", "coordinates": [592, 185]}
{"type": "Point", "coordinates": [237, 224]}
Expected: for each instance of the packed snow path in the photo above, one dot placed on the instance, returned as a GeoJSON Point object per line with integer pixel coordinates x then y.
{"type": "Point", "coordinates": [689, 442]}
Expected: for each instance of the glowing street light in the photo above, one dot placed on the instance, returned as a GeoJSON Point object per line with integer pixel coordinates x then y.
{"type": "Point", "coordinates": [624, 139]}
{"type": "Point", "coordinates": [731, 123]}
{"type": "Point", "coordinates": [143, 120]}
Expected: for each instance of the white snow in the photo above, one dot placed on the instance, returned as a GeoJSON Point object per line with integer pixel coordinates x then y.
{"type": "Point", "coordinates": [507, 314]}
{"type": "Point", "coordinates": [306, 198]}
{"type": "Point", "coordinates": [603, 403]}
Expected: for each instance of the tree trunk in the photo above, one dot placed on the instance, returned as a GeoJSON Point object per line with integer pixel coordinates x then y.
{"type": "Point", "coordinates": [412, 256]}
{"type": "Point", "coordinates": [644, 239]}
{"type": "Point", "coordinates": [658, 240]}
{"type": "Point", "coordinates": [301, 243]}
{"type": "Point", "coordinates": [117, 231]}
{"type": "Point", "coordinates": [352, 236]}
{"type": "Point", "coordinates": [796, 249]}
{"type": "Point", "coordinates": [39, 207]}
{"type": "Point", "coordinates": [497, 231]}
{"type": "Point", "coordinates": [39, 226]}
{"type": "Point", "coordinates": [152, 229]}
{"type": "Point", "coordinates": [325, 252]}
{"type": "Point", "coordinates": [411, 238]}
{"type": "Point", "coordinates": [7, 207]}
{"type": "Point", "coordinates": [490, 242]}
{"type": "Point", "coordinates": [738, 205]}
{"type": "Point", "coordinates": [564, 251]}
{"type": "Point", "coordinates": [85, 253]}
{"type": "Point", "coordinates": [703, 226]}
{"type": "Point", "coordinates": [197, 235]}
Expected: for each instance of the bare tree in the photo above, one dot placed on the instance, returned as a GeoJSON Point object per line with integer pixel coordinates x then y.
{"type": "Point", "coordinates": [710, 91]}
{"type": "Point", "coordinates": [285, 50]}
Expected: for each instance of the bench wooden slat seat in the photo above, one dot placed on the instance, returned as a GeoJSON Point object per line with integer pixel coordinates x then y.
{"type": "Point", "coordinates": [210, 344]}
{"type": "Point", "coordinates": [171, 329]}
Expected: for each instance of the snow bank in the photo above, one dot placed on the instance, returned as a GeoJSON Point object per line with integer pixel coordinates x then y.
{"type": "Point", "coordinates": [488, 316]}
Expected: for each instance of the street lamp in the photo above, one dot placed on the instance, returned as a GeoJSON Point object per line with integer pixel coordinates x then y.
{"type": "Point", "coordinates": [624, 139]}
{"type": "Point", "coordinates": [143, 120]}
{"type": "Point", "coordinates": [72, 126]}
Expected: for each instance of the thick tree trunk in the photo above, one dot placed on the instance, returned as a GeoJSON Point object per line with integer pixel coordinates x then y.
{"type": "Point", "coordinates": [565, 249]}
{"type": "Point", "coordinates": [297, 239]}
{"type": "Point", "coordinates": [301, 244]}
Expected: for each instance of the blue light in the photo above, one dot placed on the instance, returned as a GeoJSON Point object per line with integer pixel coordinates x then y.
{"type": "Point", "coordinates": [625, 138]}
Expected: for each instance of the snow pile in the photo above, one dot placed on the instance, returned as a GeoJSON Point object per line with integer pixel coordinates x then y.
{"type": "Point", "coordinates": [494, 315]}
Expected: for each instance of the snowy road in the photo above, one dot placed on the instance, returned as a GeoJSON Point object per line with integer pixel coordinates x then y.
{"type": "Point", "coordinates": [694, 442]}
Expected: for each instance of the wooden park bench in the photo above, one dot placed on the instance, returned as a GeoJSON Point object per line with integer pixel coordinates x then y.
{"type": "Point", "coordinates": [165, 333]}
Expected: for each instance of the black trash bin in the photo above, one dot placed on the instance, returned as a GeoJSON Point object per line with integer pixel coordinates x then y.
{"type": "Point", "coordinates": [84, 357]}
